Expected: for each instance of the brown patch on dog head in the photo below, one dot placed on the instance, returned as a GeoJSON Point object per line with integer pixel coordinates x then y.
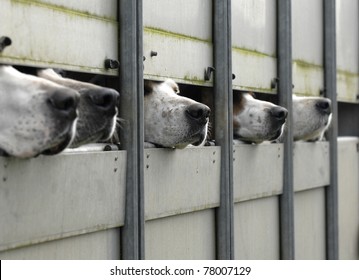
{"type": "Point", "coordinates": [238, 105]}
{"type": "Point", "coordinates": [148, 86]}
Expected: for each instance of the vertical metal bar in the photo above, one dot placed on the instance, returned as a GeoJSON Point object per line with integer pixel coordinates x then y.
{"type": "Point", "coordinates": [140, 130]}
{"type": "Point", "coordinates": [284, 49]}
{"type": "Point", "coordinates": [330, 84]}
{"type": "Point", "coordinates": [131, 137]}
{"type": "Point", "coordinates": [230, 126]}
{"type": "Point", "coordinates": [223, 124]}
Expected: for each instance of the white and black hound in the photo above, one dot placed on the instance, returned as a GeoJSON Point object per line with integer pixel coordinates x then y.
{"type": "Point", "coordinates": [97, 108]}
{"type": "Point", "coordinates": [36, 116]}
{"type": "Point", "coordinates": [311, 117]}
{"type": "Point", "coordinates": [255, 121]}
{"type": "Point", "coordinates": [171, 120]}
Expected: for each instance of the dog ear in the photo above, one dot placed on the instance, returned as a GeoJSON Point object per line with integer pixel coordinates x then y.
{"type": "Point", "coordinates": [60, 72]}
{"type": "Point", "coordinates": [252, 94]}
{"type": "Point", "coordinates": [148, 87]}
{"type": "Point", "coordinates": [48, 73]}
{"type": "Point", "coordinates": [173, 85]}
{"type": "Point", "coordinates": [237, 97]}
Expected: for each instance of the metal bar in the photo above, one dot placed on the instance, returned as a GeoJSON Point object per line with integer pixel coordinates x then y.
{"type": "Point", "coordinates": [130, 137]}
{"type": "Point", "coordinates": [223, 124]}
{"type": "Point", "coordinates": [284, 50]}
{"type": "Point", "coordinates": [330, 84]}
{"type": "Point", "coordinates": [140, 130]}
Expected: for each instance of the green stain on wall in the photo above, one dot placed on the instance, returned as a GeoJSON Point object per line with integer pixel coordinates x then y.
{"type": "Point", "coordinates": [63, 9]}
{"type": "Point", "coordinates": [167, 33]}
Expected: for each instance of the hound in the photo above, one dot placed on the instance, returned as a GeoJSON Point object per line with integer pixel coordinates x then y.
{"type": "Point", "coordinates": [97, 109]}
{"type": "Point", "coordinates": [311, 117]}
{"type": "Point", "coordinates": [255, 121]}
{"type": "Point", "coordinates": [36, 116]}
{"type": "Point", "coordinates": [171, 120]}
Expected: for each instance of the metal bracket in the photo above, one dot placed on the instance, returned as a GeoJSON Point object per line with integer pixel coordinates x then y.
{"type": "Point", "coordinates": [274, 82]}
{"type": "Point", "coordinates": [111, 63]}
{"type": "Point", "coordinates": [208, 73]}
{"type": "Point", "coordinates": [4, 42]}
{"type": "Point", "coordinates": [322, 92]}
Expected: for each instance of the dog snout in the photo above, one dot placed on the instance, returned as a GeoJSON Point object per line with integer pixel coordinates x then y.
{"type": "Point", "coordinates": [105, 99]}
{"type": "Point", "coordinates": [324, 106]}
{"type": "Point", "coordinates": [65, 101]}
{"type": "Point", "coordinates": [279, 113]}
{"type": "Point", "coordinates": [198, 112]}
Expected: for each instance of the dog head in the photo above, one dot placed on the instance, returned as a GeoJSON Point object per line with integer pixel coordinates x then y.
{"type": "Point", "coordinates": [171, 120]}
{"type": "Point", "coordinates": [97, 108]}
{"type": "Point", "coordinates": [255, 120]}
{"type": "Point", "coordinates": [36, 115]}
{"type": "Point", "coordinates": [311, 117]}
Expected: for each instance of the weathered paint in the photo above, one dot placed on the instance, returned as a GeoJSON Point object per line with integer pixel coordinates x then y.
{"type": "Point", "coordinates": [348, 86]}
{"type": "Point", "coordinates": [254, 70]}
{"type": "Point", "coordinates": [311, 165]}
{"type": "Point", "coordinates": [347, 35]}
{"type": "Point", "coordinates": [79, 10]}
{"type": "Point", "coordinates": [256, 229]}
{"type": "Point", "coordinates": [254, 45]}
{"type": "Point", "coordinates": [310, 224]}
{"type": "Point", "coordinates": [90, 38]}
{"type": "Point", "coordinates": [348, 193]}
{"type": "Point", "coordinates": [187, 236]}
{"type": "Point", "coordinates": [78, 193]}
{"type": "Point", "coordinates": [99, 245]}
{"type": "Point", "coordinates": [307, 31]}
{"type": "Point", "coordinates": [308, 78]}
{"type": "Point", "coordinates": [182, 40]}
{"type": "Point", "coordinates": [265, 157]}
{"type": "Point", "coordinates": [191, 18]}
{"type": "Point", "coordinates": [254, 25]}
{"type": "Point", "coordinates": [174, 193]}
{"type": "Point", "coordinates": [175, 52]}
{"type": "Point", "coordinates": [181, 194]}
{"type": "Point", "coordinates": [182, 36]}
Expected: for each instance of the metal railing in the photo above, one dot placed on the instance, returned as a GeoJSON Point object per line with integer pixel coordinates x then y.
{"type": "Point", "coordinates": [131, 87]}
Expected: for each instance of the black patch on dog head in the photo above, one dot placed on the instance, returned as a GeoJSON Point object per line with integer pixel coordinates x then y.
{"type": "Point", "coordinates": [3, 153]}
{"type": "Point", "coordinates": [149, 85]}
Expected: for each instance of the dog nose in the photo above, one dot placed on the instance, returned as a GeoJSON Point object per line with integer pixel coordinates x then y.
{"type": "Point", "coordinates": [105, 99]}
{"type": "Point", "coordinates": [279, 113]}
{"type": "Point", "coordinates": [198, 112]}
{"type": "Point", "coordinates": [65, 101]}
{"type": "Point", "coordinates": [324, 105]}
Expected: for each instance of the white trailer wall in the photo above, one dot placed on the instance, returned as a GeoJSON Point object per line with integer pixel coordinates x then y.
{"type": "Point", "coordinates": [74, 35]}
{"type": "Point", "coordinates": [348, 159]}
{"type": "Point", "coordinates": [63, 214]}
{"type": "Point", "coordinates": [307, 36]}
{"type": "Point", "coordinates": [254, 44]}
{"type": "Point", "coordinates": [72, 206]}
{"type": "Point", "coordinates": [347, 18]}
{"type": "Point", "coordinates": [181, 38]}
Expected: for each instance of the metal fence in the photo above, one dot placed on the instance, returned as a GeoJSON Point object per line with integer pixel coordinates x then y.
{"type": "Point", "coordinates": [269, 201]}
